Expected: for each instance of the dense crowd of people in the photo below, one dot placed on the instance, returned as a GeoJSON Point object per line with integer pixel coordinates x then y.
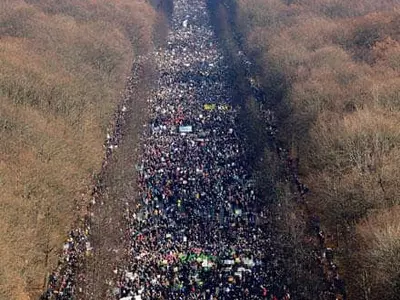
{"type": "Point", "coordinates": [195, 232]}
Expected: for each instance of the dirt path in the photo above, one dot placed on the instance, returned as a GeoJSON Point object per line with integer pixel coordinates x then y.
{"type": "Point", "coordinates": [116, 193]}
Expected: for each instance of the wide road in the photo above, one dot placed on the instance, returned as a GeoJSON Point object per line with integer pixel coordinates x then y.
{"type": "Point", "coordinates": [195, 233]}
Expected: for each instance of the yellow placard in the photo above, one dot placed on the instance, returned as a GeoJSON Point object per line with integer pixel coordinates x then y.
{"type": "Point", "coordinates": [209, 106]}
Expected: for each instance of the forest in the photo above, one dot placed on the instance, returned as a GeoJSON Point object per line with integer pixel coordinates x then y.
{"type": "Point", "coordinates": [63, 66]}
{"type": "Point", "coordinates": [330, 70]}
